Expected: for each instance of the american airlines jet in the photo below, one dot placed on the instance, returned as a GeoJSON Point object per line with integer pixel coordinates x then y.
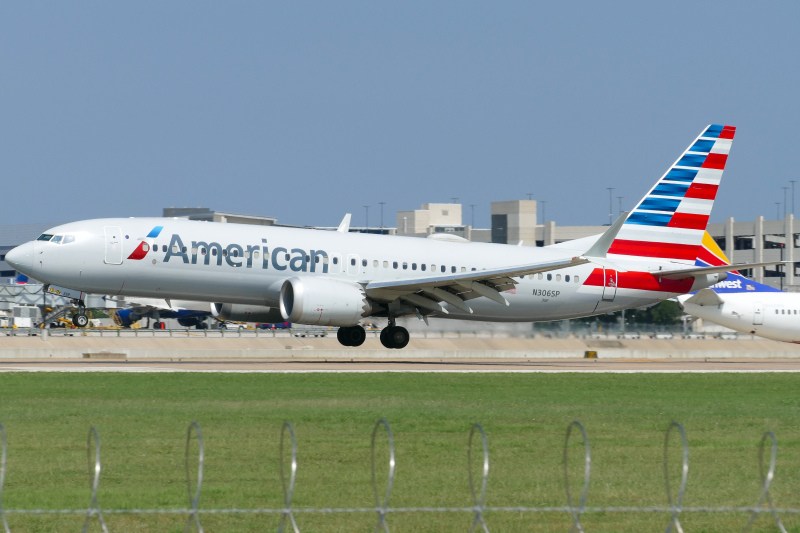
{"type": "Point", "coordinates": [742, 304]}
{"type": "Point", "coordinates": [337, 278]}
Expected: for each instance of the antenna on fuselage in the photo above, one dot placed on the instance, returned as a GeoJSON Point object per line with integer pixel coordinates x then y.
{"type": "Point", "coordinates": [344, 227]}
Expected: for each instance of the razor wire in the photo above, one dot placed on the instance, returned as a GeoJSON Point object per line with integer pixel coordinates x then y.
{"type": "Point", "coordinates": [382, 508]}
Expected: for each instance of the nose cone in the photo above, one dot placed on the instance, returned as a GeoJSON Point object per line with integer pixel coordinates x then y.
{"type": "Point", "coordinates": [21, 258]}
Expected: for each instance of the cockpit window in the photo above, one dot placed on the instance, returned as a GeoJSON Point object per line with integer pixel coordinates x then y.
{"type": "Point", "coordinates": [68, 239]}
{"type": "Point", "coordinates": [44, 237]}
{"type": "Point", "coordinates": [57, 239]}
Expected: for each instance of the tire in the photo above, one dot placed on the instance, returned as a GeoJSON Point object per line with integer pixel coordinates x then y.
{"type": "Point", "coordinates": [341, 336]}
{"type": "Point", "coordinates": [356, 336]}
{"type": "Point", "coordinates": [80, 321]}
{"type": "Point", "coordinates": [397, 337]}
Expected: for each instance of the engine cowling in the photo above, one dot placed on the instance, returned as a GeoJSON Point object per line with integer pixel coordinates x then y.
{"type": "Point", "coordinates": [323, 302]}
{"type": "Point", "coordinates": [246, 313]}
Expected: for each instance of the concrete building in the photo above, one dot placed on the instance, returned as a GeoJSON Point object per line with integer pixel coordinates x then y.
{"type": "Point", "coordinates": [437, 218]}
{"type": "Point", "coordinates": [514, 221]}
{"type": "Point", "coordinates": [763, 240]}
{"type": "Point", "coordinates": [204, 213]}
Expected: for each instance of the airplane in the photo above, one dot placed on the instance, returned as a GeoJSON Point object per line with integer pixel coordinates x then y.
{"type": "Point", "coordinates": [188, 313]}
{"type": "Point", "coordinates": [338, 278]}
{"type": "Point", "coordinates": [742, 304]}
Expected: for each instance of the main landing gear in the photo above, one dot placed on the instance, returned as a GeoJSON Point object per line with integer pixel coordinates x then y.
{"type": "Point", "coordinates": [80, 320]}
{"type": "Point", "coordinates": [351, 336]}
{"type": "Point", "coordinates": [394, 337]}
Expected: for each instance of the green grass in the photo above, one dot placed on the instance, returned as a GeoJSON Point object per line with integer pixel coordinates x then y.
{"type": "Point", "coordinates": [142, 421]}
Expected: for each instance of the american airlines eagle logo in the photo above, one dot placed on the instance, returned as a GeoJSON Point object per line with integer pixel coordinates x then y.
{"type": "Point", "coordinates": [141, 251]}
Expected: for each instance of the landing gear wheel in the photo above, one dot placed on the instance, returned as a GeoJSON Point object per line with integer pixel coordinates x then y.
{"type": "Point", "coordinates": [80, 321]}
{"type": "Point", "coordinates": [351, 336]}
{"type": "Point", "coordinates": [158, 325]}
{"type": "Point", "coordinates": [395, 337]}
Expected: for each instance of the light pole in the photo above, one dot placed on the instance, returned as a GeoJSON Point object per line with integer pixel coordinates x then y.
{"type": "Point", "coordinates": [473, 214]}
{"type": "Point", "coordinates": [792, 182]}
{"type": "Point", "coordinates": [777, 210]}
{"type": "Point", "coordinates": [619, 199]}
{"type": "Point", "coordinates": [785, 189]}
{"type": "Point", "coordinates": [455, 200]}
{"type": "Point", "coordinates": [544, 206]}
{"type": "Point", "coordinates": [529, 195]}
{"type": "Point", "coordinates": [610, 205]}
{"type": "Point", "coordinates": [367, 208]}
{"type": "Point", "coordinates": [382, 204]}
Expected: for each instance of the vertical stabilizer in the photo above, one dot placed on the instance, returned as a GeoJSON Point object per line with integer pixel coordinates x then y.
{"type": "Point", "coordinates": [669, 222]}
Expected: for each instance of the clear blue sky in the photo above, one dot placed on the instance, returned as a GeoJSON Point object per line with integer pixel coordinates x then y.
{"type": "Point", "coordinates": [306, 111]}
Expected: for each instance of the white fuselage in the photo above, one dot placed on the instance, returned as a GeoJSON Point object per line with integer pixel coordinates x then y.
{"type": "Point", "coordinates": [774, 315]}
{"type": "Point", "coordinates": [247, 264]}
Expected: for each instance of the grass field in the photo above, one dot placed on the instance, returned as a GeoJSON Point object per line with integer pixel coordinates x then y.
{"type": "Point", "coordinates": [142, 421]}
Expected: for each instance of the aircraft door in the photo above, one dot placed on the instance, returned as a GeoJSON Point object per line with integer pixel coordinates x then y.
{"type": "Point", "coordinates": [758, 313]}
{"type": "Point", "coordinates": [609, 284]}
{"type": "Point", "coordinates": [113, 236]}
{"type": "Point", "coordinates": [352, 264]}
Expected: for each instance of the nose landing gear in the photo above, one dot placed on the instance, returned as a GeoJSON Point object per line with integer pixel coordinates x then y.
{"type": "Point", "coordinates": [80, 320]}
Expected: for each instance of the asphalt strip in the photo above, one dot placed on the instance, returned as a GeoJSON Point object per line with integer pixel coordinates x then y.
{"type": "Point", "coordinates": [153, 370]}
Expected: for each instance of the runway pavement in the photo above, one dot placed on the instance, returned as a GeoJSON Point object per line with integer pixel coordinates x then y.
{"type": "Point", "coordinates": [398, 364]}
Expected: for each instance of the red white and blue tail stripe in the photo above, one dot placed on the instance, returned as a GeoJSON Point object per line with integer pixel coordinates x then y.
{"type": "Point", "coordinates": [670, 221]}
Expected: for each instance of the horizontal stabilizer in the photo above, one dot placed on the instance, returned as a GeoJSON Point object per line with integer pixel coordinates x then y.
{"type": "Point", "coordinates": [705, 297]}
{"type": "Point", "coordinates": [692, 272]}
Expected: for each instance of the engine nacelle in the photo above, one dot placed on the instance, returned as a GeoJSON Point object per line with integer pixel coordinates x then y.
{"type": "Point", "coordinates": [246, 313]}
{"type": "Point", "coordinates": [323, 302]}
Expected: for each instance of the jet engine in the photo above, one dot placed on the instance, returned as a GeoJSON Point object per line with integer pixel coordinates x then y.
{"type": "Point", "coordinates": [246, 313]}
{"type": "Point", "coordinates": [323, 302]}
{"type": "Point", "coordinates": [124, 318]}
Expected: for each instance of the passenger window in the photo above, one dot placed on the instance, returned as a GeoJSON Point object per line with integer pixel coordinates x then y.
{"type": "Point", "coordinates": [433, 268]}
{"type": "Point", "coordinates": [422, 267]}
{"type": "Point", "coordinates": [577, 279]}
{"type": "Point", "coordinates": [146, 248]}
{"type": "Point", "coordinates": [558, 277]}
{"type": "Point", "coordinates": [405, 266]}
{"type": "Point", "coordinates": [453, 270]}
{"type": "Point", "coordinates": [255, 254]}
{"type": "Point", "coordinates": [213, 251]}
{"type": "Point", "coordinates": [549, 277]}
{"type": "Point", "coordinates": [335, 260]}
{"type": "Point", "coordinates": [776, 311]}
{"type": "Point", "coordinates": [287, 256]}
{"type": "Point", "coordinates": [474, 269]}
{"type": "Point", "coordinates": [413, 266]}
{"type": "Point", "coordinates": [57, 239]}
{"type": "Point", "coordinates": [386, 264]}
{"type": "Point", "coordinates": [363, 262]}
{"type": "Point", "coordinates": [566, 278]}
{"type": "Point", "coordinates": [353, 261]}
{"type": "Point", "coordinates": [541, 276]}
{"type": "Point", "coordinates": [316, 259]}
{"type": "Point", "coordinates": [463, 269]}
{"type": "Point", "coordinates": [375, 263]}
{"type": "Point", "coordinates": [247, 254]}
{"type": "Point", "coordinates": [174, 248]}
{"type": "Point", "coordinates": [224, 253]}
{"type": "Point", "coordinates": [444, 268]}
{"type": "Point", "coordinates": [394, 265]}
{"type": "Point", "coordinates": [68, 239]}
{"type": "Point", "coordinates": [183, 249]}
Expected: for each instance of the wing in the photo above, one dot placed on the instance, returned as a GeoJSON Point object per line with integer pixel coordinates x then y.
{"type": "Point", "coordinates": [428, 292]}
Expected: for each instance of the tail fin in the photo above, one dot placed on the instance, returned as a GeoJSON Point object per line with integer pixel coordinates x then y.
{"type": "Point", "coordinates": [669, 222]}
{"type": "Point", "coordinates": [710, 254]}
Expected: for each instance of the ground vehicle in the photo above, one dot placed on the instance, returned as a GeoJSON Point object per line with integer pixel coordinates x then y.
{"type": "Point", "coordinates": [277, 325]}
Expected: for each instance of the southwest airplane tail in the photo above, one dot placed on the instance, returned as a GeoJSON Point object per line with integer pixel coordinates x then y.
{"type": "Point", "coordinates": [712, 255]}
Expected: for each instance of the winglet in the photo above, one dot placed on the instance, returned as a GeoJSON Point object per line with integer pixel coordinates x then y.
{"type": "Point", "coordinates": [600, 248]}
{"type": "Point", "coordinates": [344, 227]}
